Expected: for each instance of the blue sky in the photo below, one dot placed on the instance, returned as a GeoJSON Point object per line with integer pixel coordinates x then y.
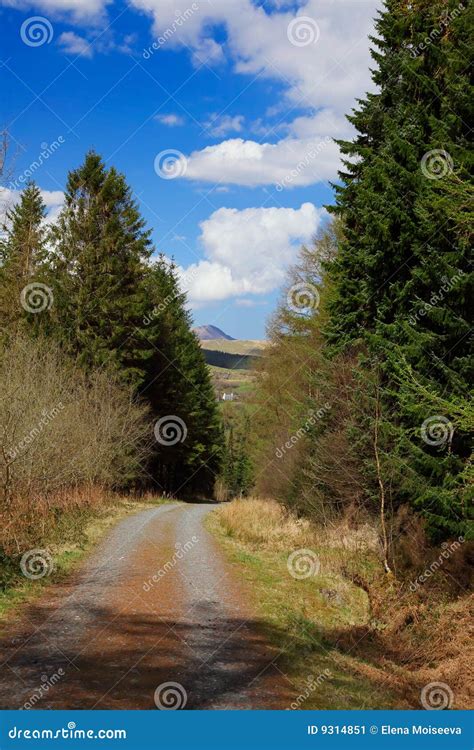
{"type": "Point", "coordinates": [223, 128]}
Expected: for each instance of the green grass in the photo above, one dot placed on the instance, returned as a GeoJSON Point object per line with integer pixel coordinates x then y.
{"type": "Point", "coordinates": [239, 346]}
{"type": "Point", "coordinates": [303, 624]}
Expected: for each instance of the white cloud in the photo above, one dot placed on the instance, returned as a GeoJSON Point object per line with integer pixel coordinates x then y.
{"type": "Point", "coordinates": [328, 72]}
{"type": "Point", "coordinates": [80, 10]}
{"type": "Point", "coordinates": [53, 200]}
{"type": "Point", "coordinates": [288, 163]}
{"type": "Point", "coordinates": [323, 77]}
{"type": "Point", "coordinates": [73, 44]}
{"type": "Point", "coordinates": [171, 120]}
{"type": "Point", "coordinates": [219, 125]}
{"type": "Point", "coordinates": [248, 251]}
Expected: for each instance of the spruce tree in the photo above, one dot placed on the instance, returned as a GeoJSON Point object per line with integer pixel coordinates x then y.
{"type": "Point", "coordinates": [25, 295]}
{"type": "Point", "coordinates": [101, 249]}
{"type": "Point", "coordinates": [178, 386]}
{"type": "Point", "coordinates": [402, 276]}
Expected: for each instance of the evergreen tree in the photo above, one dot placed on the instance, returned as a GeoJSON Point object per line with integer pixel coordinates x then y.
{"type": "Point", "coordinates": [23, 272]}
{"type": "Point", "coordinates": [101, 249]}
{"type": "Point", "coordinates": [179, 390]}
{"type": "Point", "coordinates": [402, 276]}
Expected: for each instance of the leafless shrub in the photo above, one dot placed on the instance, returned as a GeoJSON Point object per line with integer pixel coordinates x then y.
{"type": "Point", "coordinates": [61, 430]}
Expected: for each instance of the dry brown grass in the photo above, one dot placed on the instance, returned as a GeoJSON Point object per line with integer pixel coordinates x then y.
{"type": "Point", "coordinates": [264, 523]}
{"type": "Point", "coordinates": [414, 637]}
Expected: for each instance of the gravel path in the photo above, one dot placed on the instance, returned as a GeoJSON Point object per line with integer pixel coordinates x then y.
{"type": "Point", "coordinates": [156, 603]}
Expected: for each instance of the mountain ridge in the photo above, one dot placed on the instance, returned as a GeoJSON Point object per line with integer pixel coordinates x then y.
{"type": "Point", "coordinates": [207, 332]}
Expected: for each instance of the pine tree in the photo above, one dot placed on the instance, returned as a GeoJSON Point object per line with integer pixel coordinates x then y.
{"type": "Point", "coordinates": [23, 272]}
{"type": "Point", "coordinates": [101, 249]}
{"type": "Point", "coordinates": [179, 390]}
{"type": "Point", "coordinates": [402, 278]}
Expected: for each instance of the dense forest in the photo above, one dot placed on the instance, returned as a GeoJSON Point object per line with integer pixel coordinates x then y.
{"type": "Point", "coordinates": [103, 382]}
{"type": "Point", "coordinates": [363, 401]}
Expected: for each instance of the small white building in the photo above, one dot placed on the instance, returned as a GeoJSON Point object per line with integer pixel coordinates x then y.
{"type": "Point", "coordinates": [229, 396]}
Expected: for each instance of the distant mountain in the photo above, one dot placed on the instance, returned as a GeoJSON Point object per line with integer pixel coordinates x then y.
{"type": "Point", "coordinates": [204, 333]}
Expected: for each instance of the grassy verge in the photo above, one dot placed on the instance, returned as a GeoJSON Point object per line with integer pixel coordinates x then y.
{"type": "Point", "coordinates": [305, 615]}
{"type": "Point", "coordinates": [71, 537]}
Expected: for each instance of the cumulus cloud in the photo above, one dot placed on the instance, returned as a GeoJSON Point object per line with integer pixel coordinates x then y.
{"type": "Point", "coordinates": [329, 70]}
{"type": "Point", "coordinates": [288, 163]}
{"type": "Point", "coordinates": [83, 11]}
{"type": "Point", "coordinates": [73, 44]}
{"type": "Point", "coordinates": [219, 125]}
{"type": "Point", "coordinates": [320, 52]}
{"type": "Point", "coordinates": [248, 251]}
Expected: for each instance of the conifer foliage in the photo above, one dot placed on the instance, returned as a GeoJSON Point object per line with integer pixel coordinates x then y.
{"type": "Point", "coordinates": [113, 310]}
{"type": "Point", "coordinates": [23, 271]}
{"type": "Point", "coordinates": [389, 347]}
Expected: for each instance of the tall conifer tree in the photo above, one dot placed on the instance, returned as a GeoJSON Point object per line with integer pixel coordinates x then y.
{"type": "Point", "coordinates": [101, 248]}
{"type": "Point", "coordinates": [402, 277]}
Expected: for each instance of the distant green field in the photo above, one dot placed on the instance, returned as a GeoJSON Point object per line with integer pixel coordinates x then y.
{"type": "Point", "coordinates": [239, 346]}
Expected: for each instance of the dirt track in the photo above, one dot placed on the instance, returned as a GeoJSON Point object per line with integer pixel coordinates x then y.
{"type": "Point", "coordinates": [111, 635]}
